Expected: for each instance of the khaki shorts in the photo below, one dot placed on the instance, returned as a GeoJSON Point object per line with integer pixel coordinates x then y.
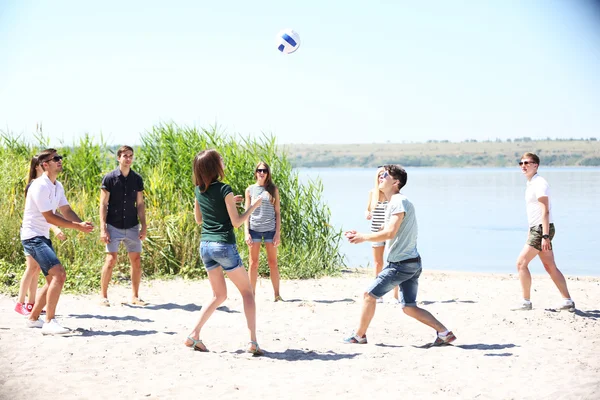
{"type": "Point", "coordinates": [535, 236]}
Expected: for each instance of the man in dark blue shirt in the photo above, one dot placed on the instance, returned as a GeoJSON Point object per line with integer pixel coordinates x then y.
{"type": "Point", "coordinates": [122, 219]}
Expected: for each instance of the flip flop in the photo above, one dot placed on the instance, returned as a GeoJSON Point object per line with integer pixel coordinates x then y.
{"type": "Point", "coordinates": [256, 351]}
{"type": "Point", "coordinates": [195, 345]}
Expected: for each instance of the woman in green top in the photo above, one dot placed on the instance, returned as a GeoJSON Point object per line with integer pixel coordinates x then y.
{"type": "Point", "coordinates": [215, 209]}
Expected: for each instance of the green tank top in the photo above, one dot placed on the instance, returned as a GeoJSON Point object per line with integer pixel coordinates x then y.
{"type": "Point", "coordinates": [216, 224]}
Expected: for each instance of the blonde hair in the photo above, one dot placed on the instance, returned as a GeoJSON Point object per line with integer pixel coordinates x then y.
{"type": "Point", "coordinates": [375, 192]}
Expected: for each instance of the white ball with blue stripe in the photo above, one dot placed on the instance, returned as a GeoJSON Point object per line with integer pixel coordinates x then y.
{"type": "Point", "coordinates": [287, 41]}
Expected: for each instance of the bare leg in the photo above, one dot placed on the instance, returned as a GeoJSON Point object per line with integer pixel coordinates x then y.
{"type": "Point", "coordinates": [367, 314]}
{"type": "Point", "coordinates": [558, 278]}
{"type": "Point", "coordinates": [424, 317]}
{"type": "Point", "coordinates": [136, 274]}
{"type": "Point", "coordinates": [219, 288]}
{"type": "Point", "coordinates": [239, 277]}
{"type": "Point", "coordinates": [273, 268]}
{"type": "Point", "coordinates": [253, 255]}
{"type": "Point", "coordinates": [107, 269]}
{"type": "Point", "coordinates": [527, 254]}
{"type": "Point", "coordinates": [32, 292]}
{"type": "Point", "coordinates": [50, 293]}
{"type": "Point", "coordinates": [29, 282]}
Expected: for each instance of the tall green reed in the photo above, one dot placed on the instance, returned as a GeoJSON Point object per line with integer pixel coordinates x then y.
{"type": "Point", "coordinates": [309, 248]}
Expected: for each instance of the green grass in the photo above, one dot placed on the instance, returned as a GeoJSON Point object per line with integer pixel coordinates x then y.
{"type": "Point", "coordinates": [309, 245]}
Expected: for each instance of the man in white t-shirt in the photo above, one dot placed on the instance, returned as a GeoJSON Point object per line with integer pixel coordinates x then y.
{"type": "Point", "coordinates": [44, 197]}
{"type": "Point", "coordinates": [541, 233]}
{"type": "Point", "coordinates": [404, 261]}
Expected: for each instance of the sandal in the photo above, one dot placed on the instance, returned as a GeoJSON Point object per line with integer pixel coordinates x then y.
{"type": "Point", "coordinates": [139, 302]}
{"type": "Point", "coordinates": [256, 351]}
{"type": "Point", "coordinates": [197, 345]}
{"type": "Point", "coordinates": [278, 298]}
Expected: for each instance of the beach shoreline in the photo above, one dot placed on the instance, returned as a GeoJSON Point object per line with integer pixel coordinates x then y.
{"type": "Point", "coordinates": [138, 353]}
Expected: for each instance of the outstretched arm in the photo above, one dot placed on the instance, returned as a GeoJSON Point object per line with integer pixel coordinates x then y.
{"type": "Point", "coordinates": [238, 219]}
{"type": "Point", "coordinates": [387, 232]}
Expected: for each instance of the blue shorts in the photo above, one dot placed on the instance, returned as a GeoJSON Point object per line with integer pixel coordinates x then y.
{"type": "Point", "coordinates": [215, 254]}
{"type": "Point", "coordinates": [131, 238]}
{"type": "Point", "coordinates": [404, 274]}
{"type": "Point", "coordinates": [40, 248]}
{"type": "Point", "coordinates": [257, 237]}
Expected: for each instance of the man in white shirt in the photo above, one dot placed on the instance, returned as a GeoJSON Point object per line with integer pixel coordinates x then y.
{"type": "Point", "coordinates": [44, 196]}
{"type": "Point", "coordinates": [541, 233]}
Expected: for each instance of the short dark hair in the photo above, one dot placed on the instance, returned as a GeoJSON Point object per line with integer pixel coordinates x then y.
{"type": "Point", "coordinates": [398, 173]}
{"type": "Point", "coordinates": [44, 156]}
{"type": "Point", "coordinates": [533, 156]}
{"type": "Point", "coordinates": [123, 149]}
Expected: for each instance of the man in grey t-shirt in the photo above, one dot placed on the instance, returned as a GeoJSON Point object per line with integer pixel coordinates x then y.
{"type": "Point", "coordinates": [404, 261]}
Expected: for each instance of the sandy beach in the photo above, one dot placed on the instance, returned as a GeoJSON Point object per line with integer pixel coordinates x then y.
{"type": "Point", "coordinates": [126, 352]}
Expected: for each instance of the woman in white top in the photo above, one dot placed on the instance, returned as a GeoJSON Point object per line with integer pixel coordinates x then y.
{"type": "Point", "coordinates": [29, 280]}
{"type": "Point", "coordinates": [375, 212]}
{"type": "Point", "coordinates": [263, 225]}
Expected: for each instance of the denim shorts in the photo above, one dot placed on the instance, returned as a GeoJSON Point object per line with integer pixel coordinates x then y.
{"type": "Point", "coordinates": [215, 254]}
{"type": "Point", "coordinates": [404, 274]}
{"type": "Point", "coordinates": [40, 248]}
{"type": "Point", "coordinates": [257, 237]}
{"type": "Point", "coordinates": [131, 238]}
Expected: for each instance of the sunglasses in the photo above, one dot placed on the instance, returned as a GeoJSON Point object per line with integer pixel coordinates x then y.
{"type": "Point", "coordinates": [526, 162]}
{"type": "Point", "coordinates": [55, 159]}
{"type": "Point", "coordinates": [384, 174]}
{"type": "Point", "coordinates": [262, 170]}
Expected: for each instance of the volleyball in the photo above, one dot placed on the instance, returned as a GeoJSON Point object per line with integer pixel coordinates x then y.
{"type": "Point", "coordinates": [287, 41]}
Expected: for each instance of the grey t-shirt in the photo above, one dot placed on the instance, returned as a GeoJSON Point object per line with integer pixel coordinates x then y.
{"type": "Point", "coordinates": [404, 245]}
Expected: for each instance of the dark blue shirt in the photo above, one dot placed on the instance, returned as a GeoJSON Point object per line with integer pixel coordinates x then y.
{"type": "Point", "coordinates": [122, 202]}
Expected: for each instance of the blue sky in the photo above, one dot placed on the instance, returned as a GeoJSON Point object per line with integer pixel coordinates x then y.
{"type": "Point", "coordinates": [367, 71]}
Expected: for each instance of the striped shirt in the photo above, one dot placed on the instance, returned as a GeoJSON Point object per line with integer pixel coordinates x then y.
{"type": "Point", "coordinates": [263, 218]}
{"type": "Point", "coordinates": [378, 216]}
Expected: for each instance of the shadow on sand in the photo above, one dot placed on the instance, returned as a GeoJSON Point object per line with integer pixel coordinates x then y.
{"type": "Point", "coordinates": [133, 332]}
{"type": "Point", "coordinates": [335, 301]}
{"type": "Point", "coordinates": [427, 302]}
{"type": "Point", "coordinates": [191, 307]}
{"type": "Point", "coordinates": [110, 317]}
{"type": "Point", "coordinates": [591, 314]}
{"type": "Point", "coordinates": [481, 346]}
{"type": "Point", "coordinates": [304, 355]}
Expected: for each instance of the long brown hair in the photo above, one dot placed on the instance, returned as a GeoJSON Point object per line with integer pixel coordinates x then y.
{"type": "Point", "coordinates": [269, 185]}
{"type": "Point", "coordinates": [32, 172]}
{"type": "Point", "coordinates": [208, 167]}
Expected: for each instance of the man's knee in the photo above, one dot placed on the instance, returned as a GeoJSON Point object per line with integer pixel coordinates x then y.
{"type": "Point", "coordinates": [522, 264]}
{"type": "Point", "coordinates": [135, 259]}
{"type": "Point", "coordinates": [368, 297]}
{"type": "Point", "coordinates": [111, 260]}
{"type": "Point", "coordinates": [549, 267]}
{"type": "Point", "coordinates": [57, 274]}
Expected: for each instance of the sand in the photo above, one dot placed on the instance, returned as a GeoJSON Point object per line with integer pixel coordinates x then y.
{"type": "Point", "coordinates": [126, 352]}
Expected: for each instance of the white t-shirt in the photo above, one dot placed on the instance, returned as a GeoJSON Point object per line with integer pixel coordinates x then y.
{"type": "Point", "coordinates": [42, 196]}
{"type": "Point", "coordinates": [403, 246]}
{"type": "Point", "coordinates": [537, 187]}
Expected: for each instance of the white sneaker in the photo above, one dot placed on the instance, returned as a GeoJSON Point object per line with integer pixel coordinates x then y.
{"type": "Point", "coordinates": [54, 328]}
{"type": "Point", "coordinates": [34, 324]}
{"type": "Point", "coordinates": [568, 305]}
{"type": "Point", "coordinates": [523, 306]}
